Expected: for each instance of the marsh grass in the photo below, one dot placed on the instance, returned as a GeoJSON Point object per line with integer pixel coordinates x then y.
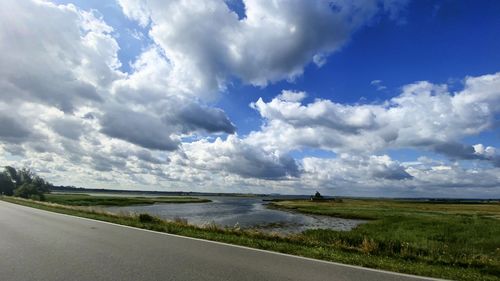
{"type": "Point", "coordinates": [91, 200]}
{"type": "Point", "coordinates": [457, 235]}
{"type": "Point", "coordinates": [439, 242]}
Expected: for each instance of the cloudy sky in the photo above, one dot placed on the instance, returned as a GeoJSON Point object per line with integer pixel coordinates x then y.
{"type": "Point", "coordinates": [362, 98]}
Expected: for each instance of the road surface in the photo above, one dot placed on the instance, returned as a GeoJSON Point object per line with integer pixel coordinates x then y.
{"type": "Point", "coordinates": [41, 245]}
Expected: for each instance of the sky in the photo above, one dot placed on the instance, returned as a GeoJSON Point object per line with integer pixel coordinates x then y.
{"type": "Point", "coordinates": [375, 98]}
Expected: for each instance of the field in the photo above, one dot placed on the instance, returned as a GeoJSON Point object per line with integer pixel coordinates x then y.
{"type": "Point", "coordinates": [452, 241]}
{"type": "Point", "coordinates": [91, 200]}
{"type": "Point", "coordinates": [458, 235]}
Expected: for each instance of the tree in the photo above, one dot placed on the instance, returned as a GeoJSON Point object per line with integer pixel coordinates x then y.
{"type": "Point", "coordinates": [29, 191]}
{"type": "Point", "coordinates": [25, 176]}
{"type": "Point", "coordinates": [41, 184]}
{"type": "Point", "coordinates": [6, 184]}
{"type": "Point", "coordinates": [12, 173]}
{"type": "Point", "coordinates": [23, 183]}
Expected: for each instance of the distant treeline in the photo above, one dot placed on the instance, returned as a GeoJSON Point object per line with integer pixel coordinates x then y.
{"type": "Point", "coordinates": [23, 183]}
{"type": "Point", "coordinates": [74, 189]}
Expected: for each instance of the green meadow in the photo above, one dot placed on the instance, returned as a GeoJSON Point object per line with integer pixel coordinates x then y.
{"type": "Point", "coordinates": [449, 234]}
{"type": "Point", "coordinates": [94, 200]}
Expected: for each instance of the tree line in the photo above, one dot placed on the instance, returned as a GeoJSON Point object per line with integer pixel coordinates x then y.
{"type": "Point", "coordinates": [23, 183]}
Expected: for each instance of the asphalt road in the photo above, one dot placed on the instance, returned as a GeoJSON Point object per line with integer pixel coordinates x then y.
{"type": "Point", "coordinates": [40, 245]}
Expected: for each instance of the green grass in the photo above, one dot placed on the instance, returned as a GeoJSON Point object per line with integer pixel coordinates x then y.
{"type": "Point", "coordinates": [91, 200]}
{"type": "Point", "coordinates": [402, 237]}
{"type": "Point", "coordinates": [457, 235]}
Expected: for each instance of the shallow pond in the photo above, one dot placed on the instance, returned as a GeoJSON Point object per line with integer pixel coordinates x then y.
{"type": "Point", "coordinates": [243, 212]}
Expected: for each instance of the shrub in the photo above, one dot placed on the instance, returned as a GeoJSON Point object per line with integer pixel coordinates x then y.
{"type": "Point", "coordinates": [28, 191]}
{"type": "Point", "coordinates": [368, 245]}
{"type": "Point", "coordinates": [147, 218]}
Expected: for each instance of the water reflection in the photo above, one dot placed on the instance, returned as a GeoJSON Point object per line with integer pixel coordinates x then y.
{"type": "Point", "coordinates": [241, 211]}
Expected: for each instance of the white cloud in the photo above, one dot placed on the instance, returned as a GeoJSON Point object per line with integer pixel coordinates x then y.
{"type": "Point", "coordinates": [235, 156]}
{"type": "Point", "coordinates": [70, 48]}
{"type": "Point", "coordinates": [66, 107]}
{"type": "Point", "coordinates": [454, 176]}
{"type": "Point", "coordinates": [375, 175]}
{"type": "Point", "coordinates": [66, 59]}
{"type": "Point", "coordinates": [423, 116]}
{"type": "Point", "coordinates": [345, 169]}
{"type": "Point", "coordinates": [12, 130]}
{"type": "Point", "coordinates": [378, 84]}
{"type": "Point", "coordinates": [273, 41]}
{"type": "Point", "coordinates": [138, 128]}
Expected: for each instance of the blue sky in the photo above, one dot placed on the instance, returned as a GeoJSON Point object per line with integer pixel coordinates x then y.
{"type": "Point", "coordinates": [231, 96]}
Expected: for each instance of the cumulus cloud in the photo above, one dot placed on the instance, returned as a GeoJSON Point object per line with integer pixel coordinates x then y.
{"type": "Point", "coordinates": [193, 116]}
{"type": "Point", "coordinates": [71, 128]}
{"type": "Point", "coordinates": [373, 175]}
{"type": "Point", "coordinates": [272, 41]}
{"type": "Point", "coordinates": [72, 49]}
{"type": "Point", "coordinates": [12, 130]}
{"type": "Point", "coordinates": [65, 106]}
{"type": "Point", "coordinates": [69, 62]}
{"type": "Point", "coordinates": [423, 116]}
{"type": "Point", "coordinates": [434, 177]}
{"type": "Point", "coordinates": [352, 168]}
{"type": "Point", "coordinates": [153, 90]}
{"type": "Point", "coordinates": [489, 153]}
{"type": "Point", "coordinates": [233, 155]}
{"type": "Point", "coordinates": [138, 128]}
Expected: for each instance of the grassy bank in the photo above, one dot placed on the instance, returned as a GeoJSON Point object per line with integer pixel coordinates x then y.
{"type": "Point", "coordinates": [359, 247]}
{"type": "Point", "coordinates": [91, 200]}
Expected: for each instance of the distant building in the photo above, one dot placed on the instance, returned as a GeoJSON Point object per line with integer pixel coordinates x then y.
{"type": "Point", "coordinates": [317, 197]}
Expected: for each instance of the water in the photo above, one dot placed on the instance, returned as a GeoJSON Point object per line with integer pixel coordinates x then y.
{"type": "Point", "coordinates": [243, 212]}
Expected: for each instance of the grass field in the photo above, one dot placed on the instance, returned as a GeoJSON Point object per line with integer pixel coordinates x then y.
{"type": "Point", "coordinates": [451, 241]}
{"type": "Point", "coordinates": [458, 235]}
{"type": "Point", "coordinates": [91, 200]}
